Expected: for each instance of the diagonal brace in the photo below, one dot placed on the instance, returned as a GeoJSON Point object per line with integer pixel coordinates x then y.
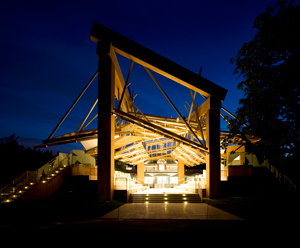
{"type": "Point", "coordinates": [173, 106]}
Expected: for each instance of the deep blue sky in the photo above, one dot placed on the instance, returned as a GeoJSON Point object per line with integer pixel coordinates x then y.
{"type": "Point", "coordinates": [47, 57]}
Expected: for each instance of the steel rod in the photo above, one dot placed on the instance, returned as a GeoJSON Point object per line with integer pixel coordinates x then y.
{"type": "Point", "coordinates": [126, 85]}
{"type": "Point", "coordinates": [89, 122]}
{"type": "Point", "coordinates": [173, 105]}
{"type": "Point", "coordinates": [73, 105]}
{"type": "Point", "coordinates": [197, 117]}
{"type": "Point", "coordinates": [87, 116]}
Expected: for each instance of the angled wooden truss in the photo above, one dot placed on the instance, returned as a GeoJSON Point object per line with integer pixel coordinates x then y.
{"type": "Point", "coordinates": [137, 133]}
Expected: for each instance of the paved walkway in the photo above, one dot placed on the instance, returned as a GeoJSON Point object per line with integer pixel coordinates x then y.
{"type": "Point", "coordinates": [190, 211]}
{"type": "Point", "coordinates": [169, 211]}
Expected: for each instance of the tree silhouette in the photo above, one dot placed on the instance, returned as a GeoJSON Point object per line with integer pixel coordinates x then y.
{"type": "Point", "coordinates": [16, 158]}
{"type": "Point", "coordinates": [269, 67]}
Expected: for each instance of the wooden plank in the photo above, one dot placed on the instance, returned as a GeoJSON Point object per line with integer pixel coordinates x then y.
{"type": "Point", "coordinates": [201, 110]}
{"type": "Point", "coordinates": [156, 62]}
{"type": "Point", "coordinates": [158, 129]}
{"type": "Point", "coordinates": [119, 82]}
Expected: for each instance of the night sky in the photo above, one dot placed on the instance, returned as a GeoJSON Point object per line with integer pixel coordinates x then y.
{"type": "Point", "coordinates": [47, 57]}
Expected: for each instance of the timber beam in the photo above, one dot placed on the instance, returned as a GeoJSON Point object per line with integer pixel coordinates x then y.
{"type": "Point", "coordinates": [155, 62]}
{"type": "Point", "coordinates": [158, 129]}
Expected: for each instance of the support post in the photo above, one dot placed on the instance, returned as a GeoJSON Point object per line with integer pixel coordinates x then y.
{"type": "Point", "coordinates": [106, 122]}
{"type": "Point", "coordinates": [213, 177]}
{"type": "Point", "coordinates": [140, 172]}
{"type": "Point", "coordinates": [180, 172]}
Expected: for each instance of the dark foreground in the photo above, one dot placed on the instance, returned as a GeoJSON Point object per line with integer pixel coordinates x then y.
{"type": "Point", "coordinates": [75, 219]}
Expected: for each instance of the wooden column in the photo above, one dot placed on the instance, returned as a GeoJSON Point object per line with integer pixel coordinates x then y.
{"type": "Point", "coordinates": [106, 122]}
{"type": "Point", "coordinates": [213, 177]}
{"type": "Point", "coordinates": [141, 172]}
{"type": "Point", "coordinates": [180, 172]}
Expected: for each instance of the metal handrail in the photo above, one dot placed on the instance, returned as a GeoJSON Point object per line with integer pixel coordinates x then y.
{"type": "Point", "coordinates": [25, 178]}
{"type": "Point", "coordinates": [15, 184]}
{"type": "Point", "coordinates": [291, 184]}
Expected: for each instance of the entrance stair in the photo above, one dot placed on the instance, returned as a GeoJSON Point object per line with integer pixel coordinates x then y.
{"type": "Point", "coordinates": [164, 198]}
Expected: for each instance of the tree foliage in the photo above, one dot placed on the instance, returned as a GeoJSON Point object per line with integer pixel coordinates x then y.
{"type": "Point", "coordinates": [16, 158]}
{"type": "Point", "coordinates": [269, 68]}
{"type": "Point", "coordinates": [120, 166]}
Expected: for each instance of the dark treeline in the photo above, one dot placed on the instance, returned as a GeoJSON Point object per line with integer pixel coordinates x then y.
{"type": "Point", "coordinates": [16, 158]}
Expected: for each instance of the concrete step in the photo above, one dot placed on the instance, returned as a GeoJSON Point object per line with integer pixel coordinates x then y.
{"type": "Point", "coordinates": [162, 198]}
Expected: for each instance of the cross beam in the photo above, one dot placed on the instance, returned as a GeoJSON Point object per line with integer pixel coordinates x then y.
{"type": "Point", "coordinates": [156, 62]}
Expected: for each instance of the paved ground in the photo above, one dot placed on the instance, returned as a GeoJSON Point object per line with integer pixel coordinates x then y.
{"type": "Point", "coordinates": [171, 211]}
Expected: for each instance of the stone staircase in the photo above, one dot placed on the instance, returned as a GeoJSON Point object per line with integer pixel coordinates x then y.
{"type": "Point", "coordinates": [163, 198]}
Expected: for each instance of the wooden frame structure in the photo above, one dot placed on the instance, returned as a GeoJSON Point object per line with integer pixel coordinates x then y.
{"type": "Point", "coordinates": [125, 132]}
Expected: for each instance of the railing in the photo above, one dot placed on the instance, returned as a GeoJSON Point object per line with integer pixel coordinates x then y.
{"type": "Point", "coordinates": [48, 168]}
{"type": "Point", "coordinates": [193, 184]}
{"type": "Point", "coordinates": [123, 181]}
{"type": "Point", "coordinates": [17, 185]}
{"type": "Point", "coordinates": [289, 183]}
{"type": "Point", "coordinates": [20, 181]}
{"type": "Point", "coordinates": [157, 170]}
